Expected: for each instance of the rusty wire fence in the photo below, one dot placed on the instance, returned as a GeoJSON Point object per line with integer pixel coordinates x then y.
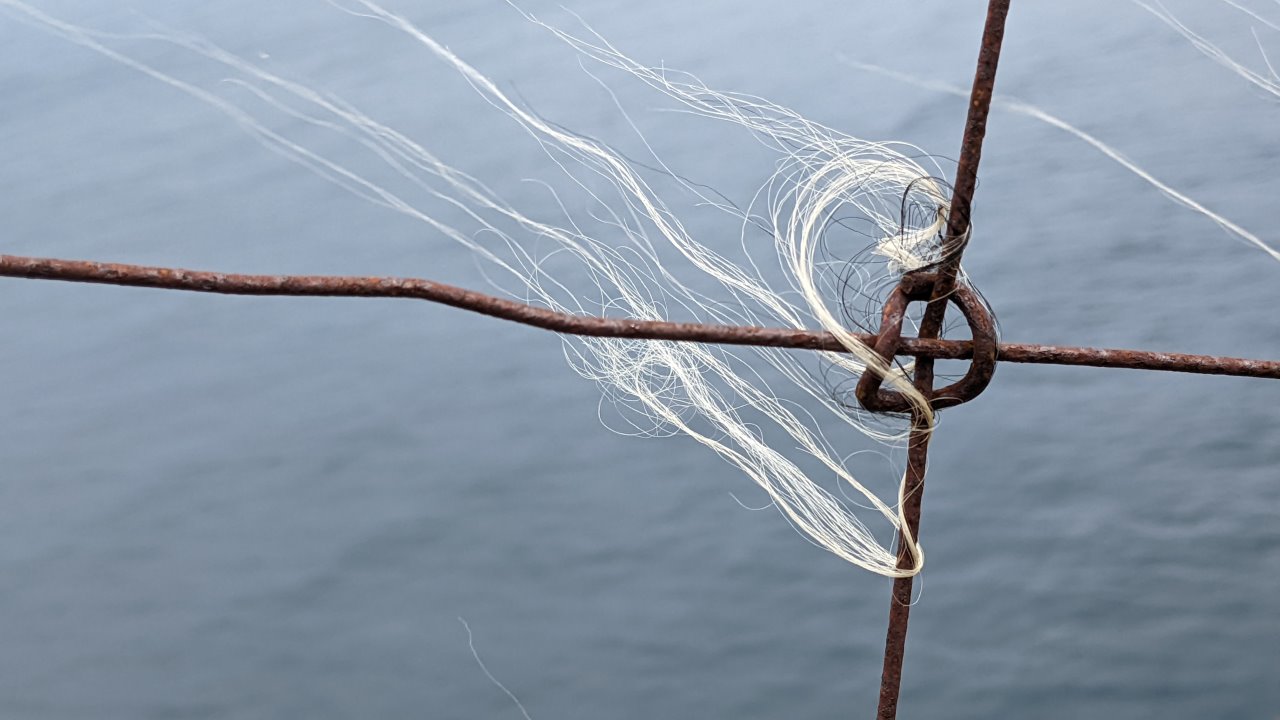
{"type": "Point", "coordinates": [938, 286]}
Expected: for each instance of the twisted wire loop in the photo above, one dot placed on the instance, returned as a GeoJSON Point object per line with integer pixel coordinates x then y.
{"type": "Point", "coordinates": [920, 287]}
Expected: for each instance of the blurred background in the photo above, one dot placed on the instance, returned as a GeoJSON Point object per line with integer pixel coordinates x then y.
{"type": "Point", "coordinates": [218, 507]}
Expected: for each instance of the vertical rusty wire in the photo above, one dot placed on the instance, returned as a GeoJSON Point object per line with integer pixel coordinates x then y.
{"type": "Point", "coordinates": [931, 325]}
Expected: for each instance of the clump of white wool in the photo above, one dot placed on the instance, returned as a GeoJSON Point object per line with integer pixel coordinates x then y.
{"type": "Point", "coordinates": [697, 390]}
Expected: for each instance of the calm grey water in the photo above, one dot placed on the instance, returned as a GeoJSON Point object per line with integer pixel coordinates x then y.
{"type": "Point", "coordinates": [269, 508]}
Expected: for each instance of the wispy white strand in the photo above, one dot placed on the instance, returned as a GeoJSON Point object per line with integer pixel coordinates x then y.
{"type": "Point", "coordinates": [700, 391]}
{"type": "Point", "coordinates": [1268, 81]}
{"type": "Point", "coordinates": [1032, 111]}
{"type": "Point", "coordinates": [475, 654]}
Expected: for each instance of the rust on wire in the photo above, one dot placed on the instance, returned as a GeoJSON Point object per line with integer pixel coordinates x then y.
{"type": "Point", "coordinates": [941, 288]}
{"type": "Point", "coordinates": [1136, 360]}
{"type": "Point", "coordinates": [983, 348]}
{"type": "Point", "coordinates": [166, 278]}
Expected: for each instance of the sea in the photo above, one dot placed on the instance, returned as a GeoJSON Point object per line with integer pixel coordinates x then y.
{"type": "Point", "coordinates": [248, 507]}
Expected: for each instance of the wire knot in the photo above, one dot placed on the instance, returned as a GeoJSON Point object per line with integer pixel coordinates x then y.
{"type": "Point", "coordinates": [919, 287]}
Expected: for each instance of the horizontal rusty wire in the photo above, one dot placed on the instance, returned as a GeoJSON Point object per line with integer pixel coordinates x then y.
{"type": "Point", "coordinates": [167, 278]}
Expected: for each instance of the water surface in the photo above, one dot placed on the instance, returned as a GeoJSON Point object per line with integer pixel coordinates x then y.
{"type": "Point", "coordinates": [257, 508]}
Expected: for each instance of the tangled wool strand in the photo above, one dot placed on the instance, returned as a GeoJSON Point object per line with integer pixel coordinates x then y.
{"type": "Point", "coordinates": [703, 392]}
